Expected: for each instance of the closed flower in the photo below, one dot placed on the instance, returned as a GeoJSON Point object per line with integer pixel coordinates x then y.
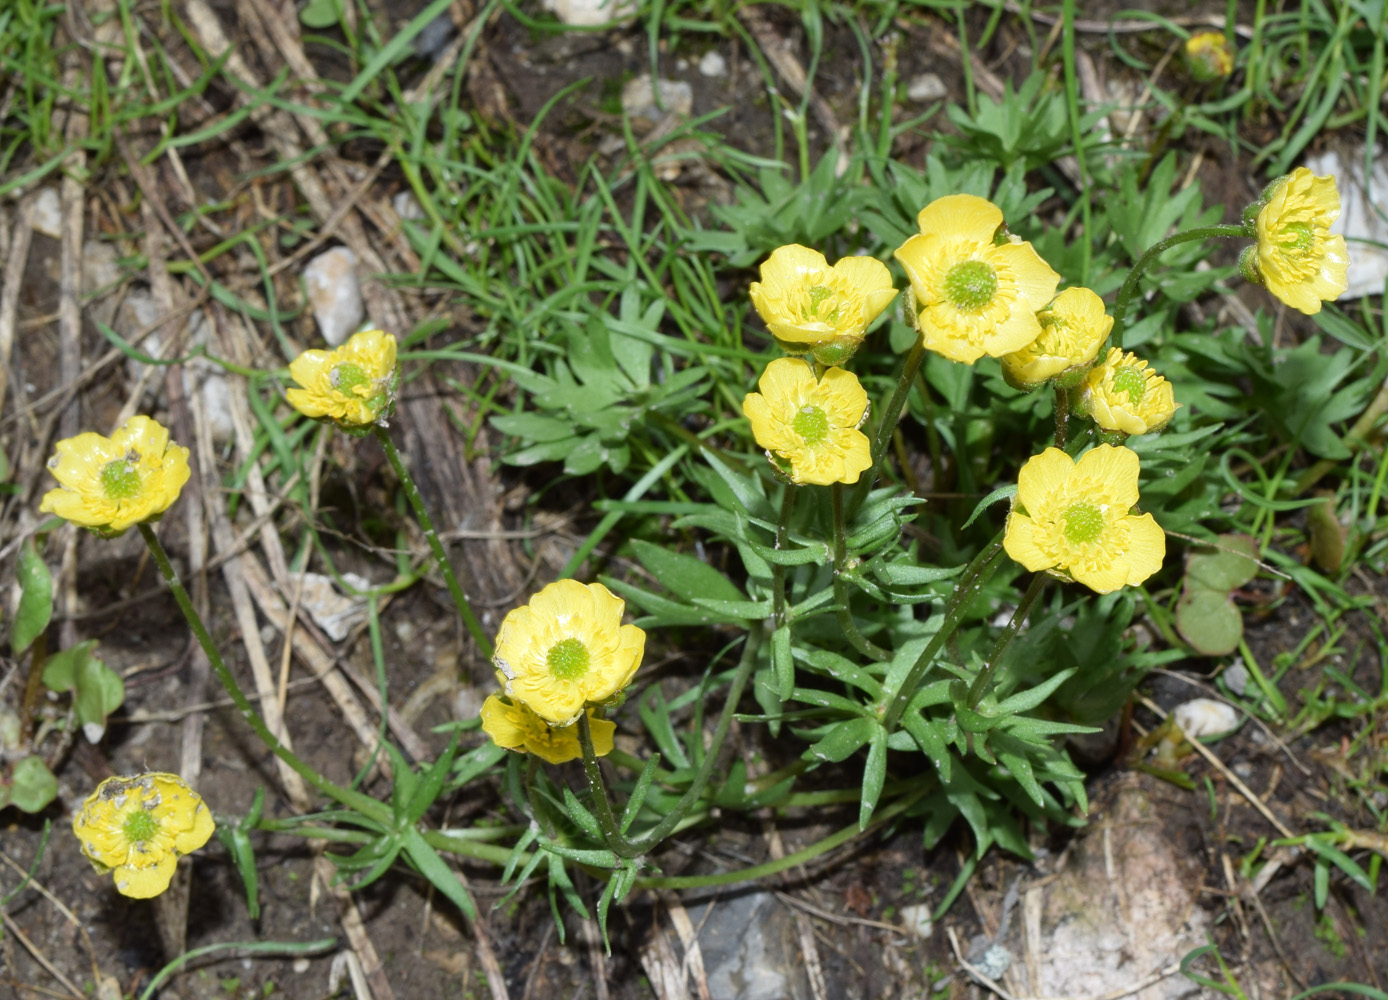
{"type": "Point", "coordinates": [976, 290]}
{"type": "Point", "coordinates": [567, 649]}
{"type": "Point", "coordinates": [138, 827]}
{"type": "Point", "coordinates": [1076, 518]}
{"type": "Point", "coordinates": [353, 386]}
{"type": "Point", "coordinates": [110, 484]}
{"type": "Point", "coordinates": [514, 727]}
{"type": "Point", "coordinates": [812, 308]}
{"type": "Point", "coordinates": [1073, 328]}
{"type": "Point", "coordinates": [1209, 56]}
{"type": "Point", "coordinates": [808, 425]}
{"type": "Point", "coordinates": [1297, 257]}
{"type": "Point", "coordinates": [1123, 395]}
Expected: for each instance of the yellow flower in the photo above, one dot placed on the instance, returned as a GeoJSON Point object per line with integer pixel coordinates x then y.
{"type": "Point", "coordinates": [975, 292]}
{"type": "Point", "coordinates": [1297, 257]}
{"type": "Point", "coordinates": [139, 826]}
{"type": "Point", "coordinates": [1124, 395]}
{"type": "Point", "coordinates": [1075, 516]}
{"type": "Point", "coordinates": [810, 424]}
{"type": "Point", "coordinates": [1072, 331]}
{"type": "Point", "coordinates": [1209, 56]}
{"type": "Point", "coordinates": [566, 649]}
{"type": "Point", "coordinates": [354, 385]}
{"type": "Point", "coordinates": [514, 727]}
{"type": "Point", "coordinates": [109, 484]}
{"type": "Point", "coordinates": [812, 308]}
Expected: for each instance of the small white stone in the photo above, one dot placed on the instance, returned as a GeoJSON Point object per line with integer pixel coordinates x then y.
{"type": "Point", "coordinates": [407, 205]}
{"type": "Point", "coordinates": [48, 213]}
{"type": "Point", "coordinates": [334, 293]}
{"type": "Point", "coordinates": [1237, 677]}
{"type": "Point", "coordinates": [1201, 717]}
{"type": "Point", "coordinates": [588, 13]}
{"type": "Point", "coordinates": [713, 65]}
{"type": "Point", "coordinates": [916, 917]}
{"type": "Point", "coordinates": [335, 613]}
{"type": "Point", "coordinates": [925, 88]}
{"type": "Point", "coordinates": [639, 99]}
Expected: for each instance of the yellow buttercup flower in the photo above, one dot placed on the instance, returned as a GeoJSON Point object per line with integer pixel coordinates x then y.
{"type": "Point", "coordinates": [137, 827]}
{"type": "Point", "coordinates": [512, 726]}
{"type": "Point", "coordinates": [354, 385]}
{"type": "Point", "coordinates": [110, 484]}
{"type": "Point", "coordinates": [1076, 517]}
{"type": "Point", "coordinates": [1297, 257]}
{"type": "Point", "coordinates": [809, 426]}
{"type": "Point", "coordinates": [566, 649]}
{"type": "Point", "coordinates": [1073, 328]}
{"type": "Point", "coordinates": [976, 290]}
{"type": "Point", "coordinates": [1209, 56]}
{"type": "Point", "coordinates": [1123, 395]}
{"type": "Point", "coordinates": [812, 308]}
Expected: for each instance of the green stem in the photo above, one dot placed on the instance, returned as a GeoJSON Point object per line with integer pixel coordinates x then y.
{"type": "Point", "coordinates": [985, 676]}
{"type": "Point", "coordinates": [1125, 294]}
{"type": "Point", "coordinates": [841, 593]}
{"type": "Point", "coordinates": [1062, 416]}
{"type": "Point", "coordinates": [619, 844]}
{"type": "Point", "coordinates": [364, 804]}
{"type": "Point", "coordinates": [790, 860]}
{"type": "Point", "coordinates": [431, 534]}
{"type": "Point", "coordinates": [887, 425]}
{"type": "Point", "coordinates": [972, 580]}
{"type": "Point", "coordinates": [778, 570]}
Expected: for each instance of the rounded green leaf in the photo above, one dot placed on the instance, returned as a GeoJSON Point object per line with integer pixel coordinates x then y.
{"type": "Point", "coordinates": [35, 599]}
{"type": "Point", "coordinates": [32, 785]}
{"type": "Point", "coordinates": [1208, 620]}
{"type": "Point", "coordinates": [1229, 564]}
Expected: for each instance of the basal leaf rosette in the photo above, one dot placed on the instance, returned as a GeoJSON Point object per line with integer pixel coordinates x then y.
{"type": "Point", "coordinates": [813, 308]}
{"type": "Point", "coordinates": [809, 426]}
{"type": "Point", "coordinates": [1124, 396]}
{"type": "Point", "coordinates": [976, 289]}
{"type": "Point", "coordinates": [567, 649]}
{"type": "Point", "coordinates": [1076, 518]}
{"type": "Point", "coordinates": [1073, 328]}
{"type": "Point", "coordinates": [1297, 257]}
{"type": "Point", "coordinates": [137, 827]}
{"type": "Point", "coordinates": [512, 726]}
{"type": "Point", "coordinates": [353, 385]}
{"type": "Point", "coordinates": [110, 484]}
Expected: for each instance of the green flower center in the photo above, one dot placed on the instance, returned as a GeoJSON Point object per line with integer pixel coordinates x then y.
{"type": "Point", "coordinates": [347, 377]}
{"type": "Point", "coordinates": [1084, 523]}
{"type": "Point", "coordinates": [120, 480]}
{"type": "Point", "coordinates": [140, 827]}
{"type": "Point", "coordinates": [971, 285]}
{"type": "Point", "coordinates": [1297, 238]}
{"type": "Point", "coordinates": [568, 659]}
{"type": "Point", "coordinates": [812, 424]}
{"type": "Point", "coordinates": [823, 305]}
{"type": "Point", "coordinates": [1130, 382]}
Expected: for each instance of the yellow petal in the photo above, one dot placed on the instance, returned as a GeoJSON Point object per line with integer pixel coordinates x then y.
{"type": "Point", "coordinates": [1116, 468]}
{"type": "Point", "coordinates": [1019, 542]}
{"type": "Point", "coordinates": [151, 880]}
{"type": "Point", "coordinates": [963, 214]}
{"type": "Point", "coordinates": [1042, 476]}
{"type": "Point", "coordinates": [1146, 549]}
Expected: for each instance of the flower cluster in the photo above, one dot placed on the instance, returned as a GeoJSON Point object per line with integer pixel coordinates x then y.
{"type": "Point", "coordinates": [111, 484]}
{"type": "Point", "coordinates": [563, 654]}
{"type": "Point", "coordinates": [353, 386]}
{"type": "Point", "coordinates": [137, 827]}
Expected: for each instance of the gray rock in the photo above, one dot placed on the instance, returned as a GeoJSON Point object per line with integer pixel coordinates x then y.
{"type": "Point", "coordinates": [334, 293]}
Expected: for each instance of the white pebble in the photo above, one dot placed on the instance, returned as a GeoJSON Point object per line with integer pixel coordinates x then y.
{"type": "Point", "coordinates": [925, 88]}
{"type": "Point", "coordinates": [713, 64]}
{"type": "Point", "coordinates": [48, 213]}
{"type": "Point", "coordinates": [587, 13]}
{"type": "Point", "coordinates": [334, 294]}
{"type": "Point", "coordinates": [1205, 717]}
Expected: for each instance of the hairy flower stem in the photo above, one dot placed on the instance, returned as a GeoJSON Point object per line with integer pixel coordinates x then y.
{"type": "Point", "coordinates": [616, 841]}
{"type": "Point", "coordinates": [364, 804]}
{"type": "Point", "coordinates": [985, 676]}
{"type": "Point", "coordinates": [1125, 294]}
{"type": "Point", "coordinates": [778, 570]}
{"type": "Point", "coordinates": [970, 583]}
{"type": "Point", "coordinates": [1062, 416]}
{"type": "Point", "coordinates": [842, 597]}
{"type": "Point", "coordinates": [910, 365]}
{"type": "Point", "coordinates": [431, 535]}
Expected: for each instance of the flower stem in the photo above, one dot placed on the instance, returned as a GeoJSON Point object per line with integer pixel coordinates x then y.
{"type": "Point", "coordinates": [1125, 294]}
{"type": "Point", "coordinates": [970, 583]}
{"type": "Point", "coordinates": [1062, 416]}
{"type": "Point", "coordinates": [778, 570]}
{"type": "Point", "coordinates": [910, 365]}
{"type": "Point", "coordinates": [431, 535]}
{"type": "Point", "coordinates": [841, 594]}
{"type": "Point", "coordinates": [618, 843]}
{"type": "Point", "coordinates": [364, 804]}
{"type": "Point", "coordinates": [985, 676]}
